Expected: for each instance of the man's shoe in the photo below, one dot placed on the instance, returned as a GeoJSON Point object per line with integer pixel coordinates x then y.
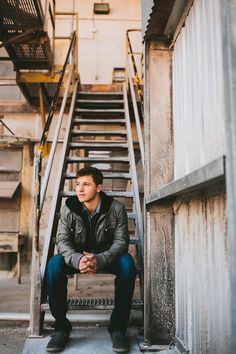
{"type": "Point", "coordinates": [58, 342]}
{"type": "Point", "coordinates": [120, 342]}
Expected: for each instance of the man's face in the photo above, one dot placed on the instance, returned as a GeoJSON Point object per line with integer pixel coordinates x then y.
{"type": "Point", "coordinates": [86, 189]}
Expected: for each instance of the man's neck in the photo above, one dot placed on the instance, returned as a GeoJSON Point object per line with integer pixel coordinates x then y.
{"type": "Point", "coordinates": [92, 205]}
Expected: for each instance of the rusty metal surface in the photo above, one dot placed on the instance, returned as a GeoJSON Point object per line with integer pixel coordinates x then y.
{"type": "Point", "coordinates": [198, 107]}
{"type": "Point", "coordinates": [202, 275]}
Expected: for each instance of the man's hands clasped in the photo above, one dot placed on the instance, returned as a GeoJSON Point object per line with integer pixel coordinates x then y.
{"type": "Point", "coordinates": [88, 264]}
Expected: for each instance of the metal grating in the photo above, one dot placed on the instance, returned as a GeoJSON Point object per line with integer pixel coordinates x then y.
{"type": "Point", "coordinates": [95, 304]}
{"type": "Point", "coordinates": [21, 14]}
{"type": "Point", "coordinates": [28, 51]}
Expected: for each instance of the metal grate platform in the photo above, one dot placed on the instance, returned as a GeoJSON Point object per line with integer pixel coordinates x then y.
{"type": "Point", "coordinates": [95, 304]}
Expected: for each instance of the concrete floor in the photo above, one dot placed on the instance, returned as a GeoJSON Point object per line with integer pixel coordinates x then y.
{"type": "Point", "coordinates": [89, 340]}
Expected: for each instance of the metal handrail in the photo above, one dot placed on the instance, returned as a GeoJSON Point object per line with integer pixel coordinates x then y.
{"type": "Point", "coordinates": [38, 160]}
{"type": "Point", "coordinates": [131, 53]}
{"type": "Point", "coordinates": [135, 187]}
{"type": "Point", "coordinates": [136, 113]}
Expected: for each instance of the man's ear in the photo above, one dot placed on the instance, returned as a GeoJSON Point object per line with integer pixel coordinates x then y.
{"type": "Point", "coordinates": [99, 188]}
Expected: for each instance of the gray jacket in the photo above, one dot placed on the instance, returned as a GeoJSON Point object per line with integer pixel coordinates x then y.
{"type": "Point", "coordinates": [111, 233]}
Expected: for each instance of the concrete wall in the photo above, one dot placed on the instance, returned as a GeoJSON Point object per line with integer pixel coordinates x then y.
{"type": "Point", "coordinates": [102, 43]}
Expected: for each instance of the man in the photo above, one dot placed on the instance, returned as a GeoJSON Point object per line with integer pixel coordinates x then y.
{"type": "Point", "coordinates": [92, 236]}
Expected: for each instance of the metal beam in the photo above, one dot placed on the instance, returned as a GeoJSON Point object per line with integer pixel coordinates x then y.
{"type": "Point", "coordinates": [208, 175]}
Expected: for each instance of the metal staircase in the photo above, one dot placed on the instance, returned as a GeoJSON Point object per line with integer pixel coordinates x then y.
{"type": "Point", "coordinates": [98, 133]}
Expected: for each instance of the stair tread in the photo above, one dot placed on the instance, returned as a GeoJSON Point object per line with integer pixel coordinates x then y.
{"type": "Point", "coordinates": [99, 132]}
{"type": "Point", "coordinates": [92, 93]}
{"type": "Point", "coordinates": [99, 101]}
{"type": "Point", "coordinates": [105, 175]}
{"type": "Point", "coordinates": [111, 193]}
{"type": "Point", "coordinates": [98, 121]}
{"type": "Point", "coordinates": [101, 110]}
{"type": "Point", "coordinates": [94, 145]}
{"type": "Point", "coordinates": [98, 158]}
{"type": "Point", "coordinates": [99, 304]}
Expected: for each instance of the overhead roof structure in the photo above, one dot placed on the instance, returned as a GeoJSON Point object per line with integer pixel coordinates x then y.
{"type": "Point", "coordinates": [162, 17]}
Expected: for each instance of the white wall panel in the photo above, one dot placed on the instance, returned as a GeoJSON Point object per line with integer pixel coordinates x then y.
{"type": "Point", "coordinates": [198, 112]}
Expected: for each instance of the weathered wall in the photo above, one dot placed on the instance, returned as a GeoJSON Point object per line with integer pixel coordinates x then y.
{"type": "Point", "coordinates": [202, 275]}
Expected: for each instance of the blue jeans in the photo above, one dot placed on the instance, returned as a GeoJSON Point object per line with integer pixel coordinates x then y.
{"type": "Point", "coordinates": [125, 272]}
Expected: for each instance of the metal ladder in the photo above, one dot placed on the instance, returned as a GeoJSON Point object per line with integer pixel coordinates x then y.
{"type": "Point", "coordinates": [98, 133]}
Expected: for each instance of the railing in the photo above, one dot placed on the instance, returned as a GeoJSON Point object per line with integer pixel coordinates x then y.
{"type": "Point", "coordinates": [133, 77]}
{"type": "Point", "coordinates": [36, 281]}
{"type": "Point", "coordinates": [135, 187]}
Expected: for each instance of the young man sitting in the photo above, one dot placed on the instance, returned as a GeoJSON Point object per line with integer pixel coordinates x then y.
{"type": "Point", "coordinates": [92, 236]}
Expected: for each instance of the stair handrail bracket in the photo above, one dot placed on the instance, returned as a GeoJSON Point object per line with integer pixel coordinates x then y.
{"type": "Point", "coordinates": [40, 190]}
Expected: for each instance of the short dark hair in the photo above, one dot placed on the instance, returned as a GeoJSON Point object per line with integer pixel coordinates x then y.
{"type": "Point", "coordinates": [91, 171]}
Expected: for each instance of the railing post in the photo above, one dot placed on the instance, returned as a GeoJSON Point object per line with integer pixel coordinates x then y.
{"type": "Point", "coordinates": [36, 285]}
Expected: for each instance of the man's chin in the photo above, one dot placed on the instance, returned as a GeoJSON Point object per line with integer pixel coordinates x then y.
{"type": "Point", "coordinates": [82, 199]}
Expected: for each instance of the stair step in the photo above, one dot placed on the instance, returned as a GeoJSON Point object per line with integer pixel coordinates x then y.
{"type": "Point", "coordinates": [83, 121]}
{"type": "Point", "coordinates": [106, 175]}
{"type": "Point", "coordinates": [99, 111]}
{"type": "Point", "coordinates": [97, 94]}
{"type": "Point", "coordinates": [94, 304]}
{"type": "Point", "coordinates": [99, 132]}
{"type": "Point", "coordinates": [90, 101]}
{"type": "Point", "coordinates": [111, 193]}
{"type": "Point", "coordinates": [103, 145]}
{"type": "Point", "coordinates": [121, 159]}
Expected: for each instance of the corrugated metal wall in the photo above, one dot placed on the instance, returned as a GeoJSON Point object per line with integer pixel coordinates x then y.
{"type": "Point", "coordinates": [201, 263]}
{"type": "Point", "coordinates": [198, 89]}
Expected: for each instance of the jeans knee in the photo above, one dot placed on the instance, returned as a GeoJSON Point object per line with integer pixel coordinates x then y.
{"type": "Point", "coordinates": [56, 266]}
{"type": "Point", "coordinates": [126, 266]}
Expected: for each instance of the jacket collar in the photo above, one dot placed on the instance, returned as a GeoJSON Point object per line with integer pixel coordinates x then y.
{"type": "Point", "coordinates": [76, 206]}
